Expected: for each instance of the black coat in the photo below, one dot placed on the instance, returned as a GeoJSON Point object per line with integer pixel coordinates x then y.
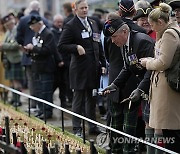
{"type": "Point", "coordinates": [64, 55]}
{"type": "Point", "coordinates": [84, 69]}
{"type": "Point", "coordinates": [143, 46]}
{"type": "Point", "coordinates": [115, 60]}
{"type": "Point", "coordinates": [114, 56]}
{"type": "Point", "coordinates": [25, 34]}
{"type": "Point", "coordinates": [133, 26]}
{"type": "Point", "coordinates": [68, 18]}
{"type": "Point", "coordinates": [43, 53]}
{"type": "Point", "coordinates": [56, 33]}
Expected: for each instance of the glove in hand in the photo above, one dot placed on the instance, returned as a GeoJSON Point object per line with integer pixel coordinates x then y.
{"type": "Point", "coordinates": [112, 87]}
{"type": "Point", "coordinates": [135, 95]}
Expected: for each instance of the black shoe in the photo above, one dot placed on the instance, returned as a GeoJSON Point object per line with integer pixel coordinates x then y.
{"type": "Point", "coordinates": [78, 131]}
{"type": "Point", "coordinates": [38, 114]}
{"type": "Point", "coordinates": [66, 105]}
{"type": "Point", "coordinates": [102, 110]}
{"type": "Point", "coordinates": [94, 131]}
{"type": "Point", "coordinates": [11, 101]}
{"type": "Point", "coordinates": [16, 104]}
{"type": "Point", "coordinates": [48, 116]}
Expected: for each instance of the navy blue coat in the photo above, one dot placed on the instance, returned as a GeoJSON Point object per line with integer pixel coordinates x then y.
{"type": "Point", "coordinates": [43, 60]}
{"type": "Point", "coordinates": [25, 34]}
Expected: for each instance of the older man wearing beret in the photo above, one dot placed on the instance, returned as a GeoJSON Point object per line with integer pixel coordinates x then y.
{"type": "Point", "coordinates": [42, 51]}
{"type": "Point", "coordinates": [134, 45]}
{"type": "Point", "coordinates": [175, 4]}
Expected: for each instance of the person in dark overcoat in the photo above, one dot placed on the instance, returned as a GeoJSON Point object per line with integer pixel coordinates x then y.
{"type": "Point", "coordinates": [134, 45]}
{"type": "Point", "coordinates": [61, 73]}
{"type": "Point", "coordinates": [42, 52]}
{"type": "Point", "coordinates": [81, 38]}
{"type": "Point", "coordinates": [23, 37]}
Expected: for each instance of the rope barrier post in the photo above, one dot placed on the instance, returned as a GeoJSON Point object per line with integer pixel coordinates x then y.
{"type": "Point", "coordinates": [7, 130]}
{"type": "Point", "coordinates": [44, 111]}
{"type": "Point", "coordinates": [78, 151]}
{"type": "Point", "coordinates": [52, 150]}
{"type": "Point", "coordinates": [4, 99]}
{"type": "Point", "coordinates": [33, 151]}
{"type": "Point", "coordinates": [108, 150]}
{"type": "Point", "coordinates": [29, 106]}
{"type": "Point", "coordinates": [62, 120]}
{"type": "Point", "coordinates": [84, 135]}
{"type": "Point", "coordinates": [14, 139]}
{"type": "Point", "coordinates": [92, 147]}
{"type": "Point", "coordinates": [16, 105]}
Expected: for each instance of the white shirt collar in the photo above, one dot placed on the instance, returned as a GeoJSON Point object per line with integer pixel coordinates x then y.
{"type": "Point", "coordinates": [42, 28]}
{"type": "Point", "coordinates": [82, 19]}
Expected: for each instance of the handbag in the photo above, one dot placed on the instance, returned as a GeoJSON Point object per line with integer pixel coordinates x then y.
{"type": "Point", "coordinates": [173, 73]}
{"type": "Point", "coordinates": [5, 61]}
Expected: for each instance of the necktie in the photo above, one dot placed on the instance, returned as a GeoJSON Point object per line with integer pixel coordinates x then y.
{"type": "Point", "coordinates": [87, 26]}
{"type": "Point", "coordinates": [37, 35]}
{"type": "Point", "coordinates": [125, 54]}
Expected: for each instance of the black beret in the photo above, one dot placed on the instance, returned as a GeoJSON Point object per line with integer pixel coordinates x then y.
{"type": "Point", "coordinates": [34, 19]}
{"type": "Point", "coordinates": [126, 5]}
{"type": "Point", "coordinates": [99, 10]}
{"type": "Point", "coordinates": [174, 4]}
{"type": "Point", "coordinates": [111, 26]}
{"type": "Point", "coordinates": [142, 12]}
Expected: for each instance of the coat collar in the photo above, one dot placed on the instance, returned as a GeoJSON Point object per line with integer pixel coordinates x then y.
{"type": "Point", "coordinates": [170, 25]}
{"type": "Point", "coordinates": [77, 20]}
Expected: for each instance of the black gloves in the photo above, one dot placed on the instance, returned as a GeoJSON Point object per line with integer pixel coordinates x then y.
{"type": "Point", "coordinates": [111, 88]}
{"type": "Point", "coordinates": [135, 95]}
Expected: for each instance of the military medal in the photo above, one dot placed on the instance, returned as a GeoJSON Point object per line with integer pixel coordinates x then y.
{"type": "Point", "coordinates": [133, 59]}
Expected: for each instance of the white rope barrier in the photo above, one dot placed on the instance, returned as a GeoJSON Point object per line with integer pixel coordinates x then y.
{"type": "Point", "coordinates": [87, 119]}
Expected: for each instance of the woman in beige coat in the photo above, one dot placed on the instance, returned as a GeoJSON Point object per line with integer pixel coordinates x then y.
{"type": "Point", "coordinates": [164, 102]}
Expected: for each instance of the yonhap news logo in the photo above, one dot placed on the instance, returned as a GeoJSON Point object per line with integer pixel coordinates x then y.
{"type": "Point", "coordinates": [103, 140]}
{"type": "Point", "coordinates": [126, 140]}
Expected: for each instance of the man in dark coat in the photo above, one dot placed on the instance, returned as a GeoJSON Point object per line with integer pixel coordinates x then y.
{"type": "Point", "coordinates": [42, 52]}
{"type": "Point", "coordinates": [127, 12]}
{"type": "Point", "coordinates": [68, 12]}
{"type": "Point", "coordinates": [80, 37]}
{"type": "Point", "coordinates": [23, 37]}
{"type": "Point", "coordinates": [61, 73]}
{"type": "Point", "coordinates": [134, 45]}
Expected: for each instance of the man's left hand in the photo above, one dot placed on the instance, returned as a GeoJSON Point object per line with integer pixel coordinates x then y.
{"type": "Point", "coordinates": [29, 47]}
{"type": "Point", "coordinates": [135, 95]}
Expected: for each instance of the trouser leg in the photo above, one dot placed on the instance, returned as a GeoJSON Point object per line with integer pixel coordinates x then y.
{"type": "Point", "coordinates": [149, 132]}
{"type": "Point", "coordinates": [130, 123]}
{"type": "Point", "coordinates": [47, 90]}
{"type": "Point", "coordinates": [90, 107]}
{"type": "Point", "coordinates": [77, 107]}
{"type": "Point", "coordinates": [117, 123]}
{"type": "Point", "coordinates": [31, 84]}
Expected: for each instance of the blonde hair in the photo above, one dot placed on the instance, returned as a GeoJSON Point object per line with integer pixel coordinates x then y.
{"type": "Point", "coordinates": [162, 12]}
{"type": "Point", "coordinates": [77, 2]}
